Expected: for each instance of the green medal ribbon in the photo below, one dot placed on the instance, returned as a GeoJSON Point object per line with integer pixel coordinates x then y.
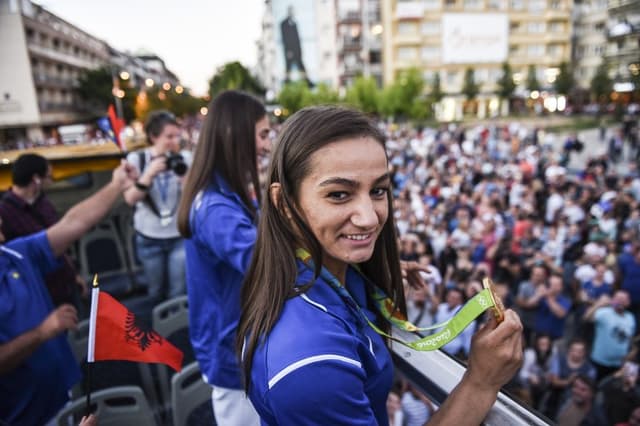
{"type": "Point", "coordinates": [449, 329]}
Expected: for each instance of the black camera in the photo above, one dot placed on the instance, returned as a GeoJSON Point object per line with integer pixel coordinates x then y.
{"type": "Point", "coordinates": [176, 163]}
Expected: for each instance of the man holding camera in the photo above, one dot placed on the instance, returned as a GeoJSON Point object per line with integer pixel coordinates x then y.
{"type": "Point", "coordinates": [156, 195]}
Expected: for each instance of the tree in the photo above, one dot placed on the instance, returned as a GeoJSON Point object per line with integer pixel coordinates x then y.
{"type": "Point", "coordinates": [322, 94]}
{"type": "Point", "coordinates": [294, 96]}
{"type": "Point", "coordinates": [95, 87]}
{"type": "Point", "coordinates": [564, 82]}
{"type": "Point", "coordinates": [601, 83]}
{"type": "Point", "coordinates": [234, 75]}
{"type": "Point", "coordinates": [436, 94]}
{"type": "Point", "coordinates": [470, 89]}
{"type": "Point", "coordinates": [403, 98]}
{"type": "Point", "coordinates": [364, 95]}
{"type": "Point", "coordinates": [506, 85]}
{"type": "Point", "coordinates": [532, 79]}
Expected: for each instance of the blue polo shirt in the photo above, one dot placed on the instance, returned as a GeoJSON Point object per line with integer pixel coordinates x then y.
{"type": "Point", "coordinates": [217, 257]}
{"type": "Point", "coordinates": [322, 364]}
{"type": "Point", "coordinates": [547, 322]}
{"type": "Point", "coordinates": [37, 389]}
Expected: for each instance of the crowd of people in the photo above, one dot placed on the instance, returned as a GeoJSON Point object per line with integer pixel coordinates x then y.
{"type": "Point", "coordinates": [562, 246]}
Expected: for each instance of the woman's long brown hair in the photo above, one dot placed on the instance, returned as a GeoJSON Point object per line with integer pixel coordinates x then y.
{"type": "Point", "coordinates": [226, 147]}
{"type": "Point", "coordinates": [272, 274]}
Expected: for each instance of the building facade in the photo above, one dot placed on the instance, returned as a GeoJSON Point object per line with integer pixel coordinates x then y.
{"type": "Point", "coordinates": [359, 40]}
{"type": "Point", "coordinates": [43, 58]}
{"type": "Point", "coordinates": [446, 37]}
{"type": "Point", "coordinates": [589, 39]}
{"type": "Point", "coordinates": [623, 44]}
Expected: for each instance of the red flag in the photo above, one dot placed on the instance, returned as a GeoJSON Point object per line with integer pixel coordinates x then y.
{"type": "Point", "coordinates": [117, 124]}
{"type": "Point", "coordinates": [118, 336]}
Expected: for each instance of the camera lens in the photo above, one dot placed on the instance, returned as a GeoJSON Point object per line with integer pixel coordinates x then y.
{"type": "Point", "coordinates": [176, 163]}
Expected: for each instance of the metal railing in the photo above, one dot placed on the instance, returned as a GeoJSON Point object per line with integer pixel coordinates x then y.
{"type": "Point", "coordinates": [435, 374]}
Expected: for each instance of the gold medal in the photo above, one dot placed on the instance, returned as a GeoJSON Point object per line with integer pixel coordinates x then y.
{"type": "Point", "coordinates": [498, 308]}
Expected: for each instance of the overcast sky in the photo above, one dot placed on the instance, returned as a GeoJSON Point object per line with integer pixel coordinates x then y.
{"type": "Point", "coordinates": [193, 37]}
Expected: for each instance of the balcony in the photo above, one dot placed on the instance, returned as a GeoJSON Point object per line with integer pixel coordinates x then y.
{"type": "Point", "coordinates": [349, 44]}
{"type": "Point", "coordinates": [622, 29]}
{"type": "Point", "coordinates": [46, 80]}
{"type": "Point", "coordinates": [59, 57]}
{"type": "Point", "coordinates": [350, 17]}
{"type": "Point", "coordinates": [45, 106]}
{"type": "Point", "coordinates": [620, 4]}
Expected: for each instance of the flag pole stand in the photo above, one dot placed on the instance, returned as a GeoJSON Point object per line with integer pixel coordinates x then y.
{"type": "Point", "coordinates": [91, 341]}
{"type": "Point", "coordinates": [89, 368]}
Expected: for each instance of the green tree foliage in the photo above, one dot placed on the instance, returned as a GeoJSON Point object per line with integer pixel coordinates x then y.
{"type": "Point", "coordinates": [532, 80]}
{"type": "Point", "coordinates": [95, 87]}
{"type": "Point", "coordinates": [322, 94]}
{"type": "Point", "coordinates": [506, 86]}
{"type": "Point", "coordinates": [601, 83]}
{"type": "Point", "coordinates": [403, 98]}
{"type": "Point", "coordinates": [470, 89]}
{"type": "Point", "coordinates": [234, 75]}
{"type": "Point", "coordinates": [181, 104]}
{"type": "Point", "coordinates": [564, 82]}
{"type": "Point", "coordinates": [129, 101]}
{"type": "Point", "coordinates": [364, 95]}
{"type": "Point", "coordinates": [436, 94]}
{"type": "Point", "coordinates": [294, 96]}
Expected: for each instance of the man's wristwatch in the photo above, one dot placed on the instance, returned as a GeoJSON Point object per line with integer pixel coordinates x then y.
{"type": "Point", "coordinates": [141, 186]}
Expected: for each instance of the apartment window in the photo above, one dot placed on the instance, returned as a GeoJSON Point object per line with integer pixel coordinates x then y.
{"type": "Point", "coordinates": [473, 4]}
{"type": "Point", "coordinates": [407, 28]}
{"type": "Point", "coordinates": [537, 5]}
{"type": "Point", "coordinates": [56, 43]}
{"type": "Point", "coordinates": [430, 53]}
{"type": "Point", "coordinates": [600, 27]}
{"type": "Point", "coordinates": [514, 27]}
{"type": "Point", "coordinates": [375, 57]}
{"type": "Point", "coordinates": [514, 50]}
{"type": "Point", "coordinates": [536, 27]}
{"type": "Point", "coordinates": [517, 4]}
{"type": "Point", "coordinates": [556, 27]}
{"type": "Point", "coordinates": [555, 4]}
{"type": "Point", "coordinates": [535, 50]}
{"type": "Point", "coordinates": [555, 50]}
{"type": "Point", "coordinates": [428, 76]}
{"type": "Point", "coordinates": [431, 28]}
{"type": "Point", "coordinates": [580, 52]}
{"type": "Point", "coordinates": [452, 77]}
{"type": "Point", "coordinates": [407, 53]}
{"type": "Point", "coordinates": [431, 4]}
{"type": "Point", "coordinates": [449, 3]}
{"type": "Point", "coordinates": [599, 49]}
{"type": "Point", "coordinates": [494, 74]}
{"type": "Point", "coordinates": [497, 4]}
{"type": "Point", "coordinates": [481, 75]}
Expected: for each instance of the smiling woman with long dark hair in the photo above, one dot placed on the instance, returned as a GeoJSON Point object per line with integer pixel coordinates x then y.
{"type": "Point", "coordinates": [326, 241]}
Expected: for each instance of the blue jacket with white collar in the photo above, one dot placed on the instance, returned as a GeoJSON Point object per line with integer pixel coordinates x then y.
{"type": "Point", "coordinates": [217, 257]}
{"type": "Point", "coordinates": [322, 364]}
